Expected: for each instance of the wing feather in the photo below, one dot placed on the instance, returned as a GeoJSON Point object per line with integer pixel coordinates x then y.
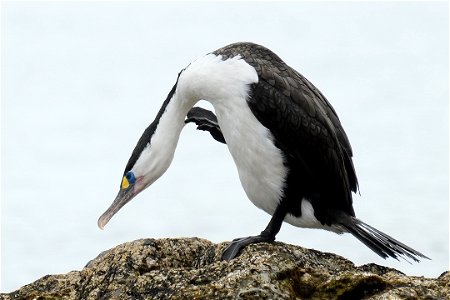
{"type": "Point", "coordinates": [304, 124]}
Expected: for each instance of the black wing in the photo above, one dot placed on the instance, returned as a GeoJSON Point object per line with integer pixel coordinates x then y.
{"type": "Point", "coordinates": [207, 121]}
{"type": "Point", "coordinates": [305, 127]}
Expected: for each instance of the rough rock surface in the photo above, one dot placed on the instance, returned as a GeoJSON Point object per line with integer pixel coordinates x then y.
{"type": "Point", "coordinates": [191, 269]}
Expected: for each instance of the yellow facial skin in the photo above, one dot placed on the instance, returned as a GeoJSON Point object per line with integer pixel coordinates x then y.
{"type": "Point", "coordinates": [125, 183]}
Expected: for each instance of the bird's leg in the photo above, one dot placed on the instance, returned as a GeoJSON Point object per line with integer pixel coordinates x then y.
{"type": "Point", "coordinates": [267, 235]}
{"type": "Point", "coordinates": [207, 121]}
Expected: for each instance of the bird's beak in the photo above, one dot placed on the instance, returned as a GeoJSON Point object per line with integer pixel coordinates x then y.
{"type": "Point", "coordinates": [123, 197]}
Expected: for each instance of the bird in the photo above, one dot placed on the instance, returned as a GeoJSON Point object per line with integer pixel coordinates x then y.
{"type": "Point", "coordinates": [293, 157]}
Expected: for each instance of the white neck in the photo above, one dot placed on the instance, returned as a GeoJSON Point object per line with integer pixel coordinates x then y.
{"type": "Point", "coordinates": [209, 78]}
{"type": "Point", "coordinates": [157, 156]}
{"type": "Point", "coordinates": [215, 80]}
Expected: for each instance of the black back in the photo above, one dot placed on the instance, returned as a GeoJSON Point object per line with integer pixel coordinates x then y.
{"type": "Point", "coordinates": [306, 128]}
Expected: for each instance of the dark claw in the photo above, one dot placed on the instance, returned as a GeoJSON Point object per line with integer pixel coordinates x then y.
{"type": "Point", "coordinates": [207, 121]}
{"type": "Point", "coordinates": [236, 245]}
{"type": "Point", "coordinates": [204, 127]}
{"type": "Point", "coordinates": [231, 251]}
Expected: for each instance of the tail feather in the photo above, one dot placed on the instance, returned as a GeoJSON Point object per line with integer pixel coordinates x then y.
{"type": "Point", "coordinates": [379, 242]}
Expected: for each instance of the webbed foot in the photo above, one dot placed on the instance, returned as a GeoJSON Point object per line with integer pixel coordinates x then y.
{"type": "Point", "coordinates": [236, 245]}
{"type": "Point", "coordinates": [207, 121]}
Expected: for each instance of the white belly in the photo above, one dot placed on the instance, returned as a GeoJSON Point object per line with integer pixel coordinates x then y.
{"type": "Point", "coordinates": [259, 162]}
{"type": "Point", "coordinates": [225, 84]}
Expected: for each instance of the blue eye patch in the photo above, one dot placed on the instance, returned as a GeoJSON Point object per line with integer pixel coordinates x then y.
{"type": "Point", "coordinates": [128, 180]}
{"type": "Point", "coordinates": [130, 177]}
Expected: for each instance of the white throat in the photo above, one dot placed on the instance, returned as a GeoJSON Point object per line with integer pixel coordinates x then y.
{"type": "Point", "coordinates": [225, 84]}
{"type": "Point", "coordinates": [208, 78]}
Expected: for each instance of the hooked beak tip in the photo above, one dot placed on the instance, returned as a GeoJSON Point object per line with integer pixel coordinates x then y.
{"type": "Point", "coordinates": [101, 223]}
{"type": "Point", "coordinates": [123, 197]}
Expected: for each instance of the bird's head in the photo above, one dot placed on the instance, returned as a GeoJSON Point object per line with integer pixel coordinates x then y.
{"type": "Point", "coordinates": [148, 167]}
{"type": "Point", "coordinates": [128, 190]}
{"type": "Point", "coordinates": [151, 157]}
{"type": "Point", "coordinates": [133, 182]}
{"type": "Point", "coordinates": [210, 78]}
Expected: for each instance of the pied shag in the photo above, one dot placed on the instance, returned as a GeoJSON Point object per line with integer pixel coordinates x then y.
{"type": "Point", "coordinates": [293, 157]}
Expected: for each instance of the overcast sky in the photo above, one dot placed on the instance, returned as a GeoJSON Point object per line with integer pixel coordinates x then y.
{"type": "Point", "coordinates": [82, 80]}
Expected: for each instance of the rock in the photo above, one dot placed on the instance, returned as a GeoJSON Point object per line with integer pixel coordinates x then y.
{"type": "Point", "coordinates": [190, 268]}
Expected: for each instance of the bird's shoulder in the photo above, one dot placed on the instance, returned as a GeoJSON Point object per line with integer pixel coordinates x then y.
{"type": "Point", "coordinates": [296, 93]}
{"type": "Point", "coordinates": [301, 119]}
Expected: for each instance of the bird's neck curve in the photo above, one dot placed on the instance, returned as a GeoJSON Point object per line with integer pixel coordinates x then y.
{"type": "Point", "coordinates": [209, 78]}
{"type": "Point", "coordinates": [170, 124]}
{"type": "Point", "coordinates": [155, 150]}
{"type": "Point", "coordinates": [215, 79]}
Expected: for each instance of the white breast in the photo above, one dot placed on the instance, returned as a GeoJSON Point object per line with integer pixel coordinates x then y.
{"type": "Point", "coordinates": [225, 84]}
{"type": "Point", "coordinates": [260, 164]}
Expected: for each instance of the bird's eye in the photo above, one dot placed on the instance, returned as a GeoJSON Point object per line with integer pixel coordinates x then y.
{"type": "Point", "coordinates": [130, 177]}
{"type": "Point", "coordinates": [127, 180]}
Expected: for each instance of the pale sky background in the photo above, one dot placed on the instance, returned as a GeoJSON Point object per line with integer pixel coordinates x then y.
{"type": "Point", "coordinates": [82, 80]}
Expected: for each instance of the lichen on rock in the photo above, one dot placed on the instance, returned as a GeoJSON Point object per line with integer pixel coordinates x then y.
{"type": "Point", "coordinates": [190, 268]}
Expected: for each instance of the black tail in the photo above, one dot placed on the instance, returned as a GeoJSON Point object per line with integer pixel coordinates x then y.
{"type": "Point", "coordinates": [381, 243]}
